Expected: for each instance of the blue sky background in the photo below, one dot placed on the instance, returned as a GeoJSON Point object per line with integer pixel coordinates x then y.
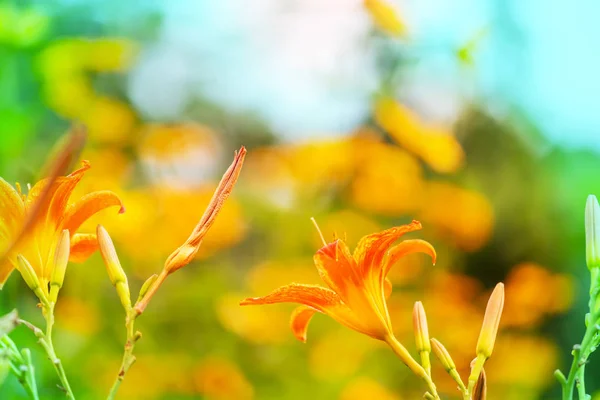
{"type": "Point", "coordinates": [307, 67]}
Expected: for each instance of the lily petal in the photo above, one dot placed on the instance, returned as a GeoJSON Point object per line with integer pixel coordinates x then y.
{"type": "Point", "coordinates": [387, 288]}
{"type": "Point", "coordinates": [371, 249]}
{"type": "Point", "coordinates": [309, 295]}
{"type": "Point", "coordinates": [58, 193]}
{"type": "Point", "coordinates": [63, 192]}
{"type": "Point", "coordinates": [408, 247]}
{"type": "Point", "coordinates": [6, 268]}
{"type": "Point", "coordinates": [83, 245]}
{"type": "Point", "coordinates": [13, 212]}
{"type": "Point", "coordinates": [80, 211]}
{"type": "Point", "coordinates": [320, 298]}
{"type": "Point", "coordinates": [301, 316]}
{"type": "Point", "coordinates": [336, 267]}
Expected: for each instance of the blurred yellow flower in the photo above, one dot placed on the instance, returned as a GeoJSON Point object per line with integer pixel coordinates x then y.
{"type": "Point", "coordinates": [109, 120]}
{"type": "Point", "coordinates": [179, 155]}
{"type": "Point", "coordinates": [338, 354]}
{"type": "Point", "coordinates": [217, 378]}
{"type": "Point", "coordinates": [56, 214]}
{"type": "Point", "coordinates": [108, 54]}
{"type": "Point", "coordinates": [385, 17]}
{"type": "Point", "coordinates": [61, 59]}
{"type": "Point", "coordinates": [112, 168]}
{"type": "Point", "coordinates": [522, 360]}
{"type": "Point", "coordinates": [454, 315]}
{"type": "Point", "coordinates": [77, 316]}
{"type": "Point", "coordinates": [435, 145]}
{"type": "Point", "coordinates": [260, 326]}
{"type": "Point", "coordinates": [70, 96]}
{"type": "Point", "coordinates": [325, 162]}
{"type": "Point", "coordinates": [286, 175]}
{"type": "Point", "coordinates": [388, 181]}
{"type": "Point", "coordinates": [532, 292]}
{"type": "Point", "coordinates": [270, 178]}
{"type": "Point", "coordinates": [158, 376]}
{"type": "Point", "coordinates": [175, 213]}
{"type": "Point", "coordinates": [265, 276]}
{"type": "Point", "coordinates": [366, 388]}
{"type": "Point", "coordinates": [463, 217]}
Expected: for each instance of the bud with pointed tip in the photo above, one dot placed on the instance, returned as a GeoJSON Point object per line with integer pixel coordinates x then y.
{"type": "Point", "coordinates": [442, 354]}
{"type": "Point", "coordinates": [592, 232]}
{"type": "Point", "coordinates": [183, 255]}
{"type": "Point", "coordinates": [28, 273]}
{"type": "Point", "coordinates": [420, 328]}
{"type": "Point", "coordinates": [146, 286]}
{"type": "Point", "coordinates": [491, 321]}
{"type": "Point", "coordinates": [422, 335]}
{"type": "Point", "coordinates": [113, 266]}
{"type": "Point", "coordinates": [61, 259]}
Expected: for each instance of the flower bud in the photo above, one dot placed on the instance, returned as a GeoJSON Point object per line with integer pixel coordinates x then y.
{"type": "Point", "coordinates": [442, 354]}
{"type": "Point", "coordinates": [491, 321]}
{"type": "Point", "coordinates": [592, 232]}
{"type": "Point", "coordinates": [146, 286]}
{"type": "Point", "coordinates": [420, 328]}
{"type": "Point", "coordinates": [61, 259]}
{"type": "Point", "coordinates": [113, 266]}
{"type": "Point", "coordinates": [183, 255]}
{"type": "Point", "coordinates": [28, 273]}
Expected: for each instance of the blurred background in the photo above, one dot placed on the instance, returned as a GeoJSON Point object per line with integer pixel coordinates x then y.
{"type": "Point", "coordinates": [477, 118]}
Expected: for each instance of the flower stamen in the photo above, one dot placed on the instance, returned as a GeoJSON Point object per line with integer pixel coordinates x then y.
{"type": "Point", "coordinates": [319, 230]}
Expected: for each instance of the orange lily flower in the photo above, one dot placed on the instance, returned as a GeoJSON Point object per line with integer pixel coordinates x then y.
{"type": "Point", "coordinates": [357, 282]}
{"type": "Point", "coordinates": [54, 215]}
{"type": "Point", "coordinates": [358, 289]}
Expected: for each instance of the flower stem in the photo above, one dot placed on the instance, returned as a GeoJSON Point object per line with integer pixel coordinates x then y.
{"type": "Point", "coordinates": [576, 377]}
{"type": "Point", "coordinates": [410, 362]}
{"type": "Point", "coordinates": [45, 340]}
{"type": "Point", "coordinates": [128, 357]}
{"type": "Point", "coordinates": [21, 366]}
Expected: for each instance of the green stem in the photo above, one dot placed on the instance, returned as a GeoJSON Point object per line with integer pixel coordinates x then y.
{"type": "Point", "coordinates": [410, 362]}
{"type": "Point", "coordinates": [425, 361]}
{"type": "Point", "coordinates": [45, 340]}
{"type": "Point", "coordinates": [20, 365]}
{"type": "Point", "coordinates": [580, 382]}
{"type": "Point", "coordinates": [128, 357]}
{"type": "Point", "coordinates": [49, 347]}
{"type": "Point", "coordinates": [582, 352]}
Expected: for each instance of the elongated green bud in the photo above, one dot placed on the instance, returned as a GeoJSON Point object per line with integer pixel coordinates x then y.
{"type": "Point", "coordinates": [422, 335]}
{"type": "Point", "coordinates": [113, 266]}
{"type": "Point", "coordinates": [420, 328]}
{"type": "Point", "coordinates": [28, 273]}
{"type": "Point", "coordinates": [146, 286]}
{"type": "Point", "coordinates": [592, 232]}
{"type": "Point", "coordinates": [444, 356]}
{"type": "Point", "coordinates": [491, 321]}
{"type": "Point", "coordinates": [61, 259]}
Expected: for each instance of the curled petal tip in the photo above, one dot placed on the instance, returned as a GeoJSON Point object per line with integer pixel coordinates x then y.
{"type": "Point", "coordinates": [248, 301]}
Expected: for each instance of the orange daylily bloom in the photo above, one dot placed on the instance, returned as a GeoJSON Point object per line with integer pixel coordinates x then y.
{"type": "Point", "coordinates": [55, 214]}
{"type": "Point", "coordinates": [358, 287]}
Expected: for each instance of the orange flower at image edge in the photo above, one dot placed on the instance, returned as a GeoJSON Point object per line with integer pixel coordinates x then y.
{"type": "Point", "coordinates": [358, 288]}
{"type": "Point", "coordinates": [55, 214]}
